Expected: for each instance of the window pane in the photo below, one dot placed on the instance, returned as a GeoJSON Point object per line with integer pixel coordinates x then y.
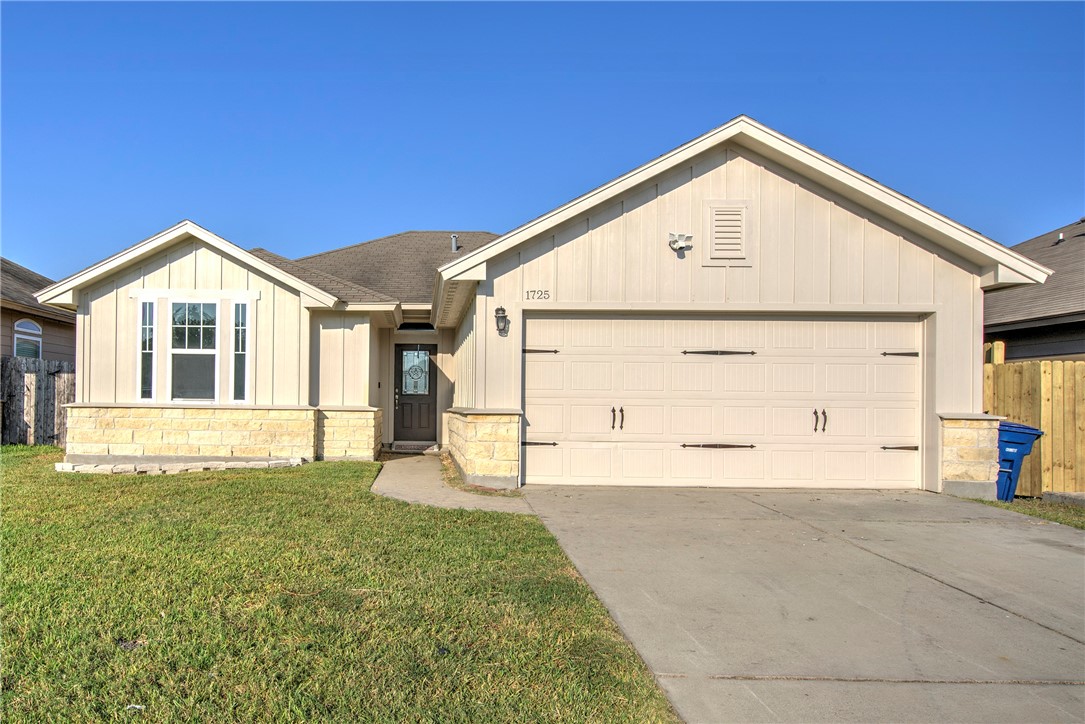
{"type": "Point", "coordinates": [25, 325]}
{"type": "Point", "coordinates": [179, 313]}
{"type": "Point", "coordinates": [28, 348]}
{"type": "Point", "coordinates": [178, 337]}
{"type": "Point", "coordinates": [208, 338]}
{"type": "Point", "coordinates": [241, 340]}
{"type": "Point", "coordinates": [193, 338]}
{"type": "Point", "coordinates": [146, 359]}
{"type": "Point", "coordinates": [209, 314]}
{"type": "Point", "coordinates": [194, 314]}
{"type": "Point", "coordinates": [239, 377]}
{"type": "Point", "coordinates": [415, 373]}
{"type": "Point", "coordinates": [193, 377]}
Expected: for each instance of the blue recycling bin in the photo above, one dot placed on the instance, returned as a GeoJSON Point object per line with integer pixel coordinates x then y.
{"type": "Point", "coordinates": [1015, 442]}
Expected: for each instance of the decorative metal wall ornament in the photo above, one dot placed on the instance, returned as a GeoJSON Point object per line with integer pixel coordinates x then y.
{"type": "Point", "coordinates": [680, 242]}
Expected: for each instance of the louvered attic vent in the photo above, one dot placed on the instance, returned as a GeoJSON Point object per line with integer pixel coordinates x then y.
{"type": "Point", "coordinates": [726, 233]}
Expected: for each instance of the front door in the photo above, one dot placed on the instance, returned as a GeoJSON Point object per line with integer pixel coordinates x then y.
{"type": "Point", "coordinates": [416, 393]}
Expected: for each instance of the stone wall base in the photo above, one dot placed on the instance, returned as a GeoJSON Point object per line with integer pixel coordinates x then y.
{"type": "Point", "coordinates": [970, 455]}
{"type": "Point", "coordinates": [485, 446]}
{"type": "Point", "coordinates": [104, 437]}
{"type": "Point", "coordinates": [171, 467]}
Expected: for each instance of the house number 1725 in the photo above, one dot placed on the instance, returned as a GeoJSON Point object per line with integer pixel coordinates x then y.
{"type": "Point", "coordinates": [537, 294]}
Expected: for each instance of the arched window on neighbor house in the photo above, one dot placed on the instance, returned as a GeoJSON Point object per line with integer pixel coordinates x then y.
{"type": "Point", "coordinates": [27, 339]}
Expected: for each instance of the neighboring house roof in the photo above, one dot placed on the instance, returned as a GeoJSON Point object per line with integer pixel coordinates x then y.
{"type": "Point", "coordinates": [1064, 292]}
{"type": "Point", "coordinates": [345, 291]}
{"type": "Point", "coordinates": [998, 265]}
{"type": "Point", "coordinates": [17, 287]}
{"type": "Point", "coordinates": [402, 265]}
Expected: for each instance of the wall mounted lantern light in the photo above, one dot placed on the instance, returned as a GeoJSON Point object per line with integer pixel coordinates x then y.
{"type": "Point", "coordinates": [502, 319]}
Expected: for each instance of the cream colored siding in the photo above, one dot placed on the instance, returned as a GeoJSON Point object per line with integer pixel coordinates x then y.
{"type": "Point", "coordinates": [108, 327]}
{"type": "Point", "coordinates": [340, 359]}
{"type": "Point", "coordinates": [57, 338]}
{"type": "Point", "coordinates": [808, 251]}
{"type": "Point", "coordinates": [464, 354]}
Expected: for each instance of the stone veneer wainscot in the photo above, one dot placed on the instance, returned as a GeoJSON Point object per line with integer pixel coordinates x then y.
{"type": "Point", "coordinates": [222, 432]}
{"type": "Point", "coordinates": [970, 455]}
{"type": "Point", "coordinates": [485, 446]}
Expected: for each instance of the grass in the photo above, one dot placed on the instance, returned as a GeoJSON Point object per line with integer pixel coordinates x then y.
{"type": "Point", "coordinates": [289, 595]}
{"type": "Point", "coordinates": [1065, 513]}
{"type": "Point", "coordinates": [451, 477]}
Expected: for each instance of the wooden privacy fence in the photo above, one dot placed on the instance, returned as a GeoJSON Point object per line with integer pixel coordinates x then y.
{"type": "Point", "coordinates": [1049, 395]}
{"type": "Point", "coordinates": [34, 392]}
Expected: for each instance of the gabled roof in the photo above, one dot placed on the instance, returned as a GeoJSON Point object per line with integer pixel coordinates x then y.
{"type": "Point", "coordinates": [344, 290]}
{"type": "Point", "coordinates": [1064, 292]}
{"type": "Point", "coordinates": [402, 265]}
{"type": "Point", "coordinates": [63, 293]}
{"type": "Point", "coordinates": [17, 287]}
{"type": "Point", "coordinates": [999, 265]}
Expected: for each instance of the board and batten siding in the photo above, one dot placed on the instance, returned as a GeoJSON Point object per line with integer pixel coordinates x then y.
{"type": "Point", "coordinates": [808, 251]}
{"type": "Point", "coordinates": [107, 339]}
{"type": "Point", "coordinates": [343, 359]}
{"type": "Point", "coordinates": [464, 354]}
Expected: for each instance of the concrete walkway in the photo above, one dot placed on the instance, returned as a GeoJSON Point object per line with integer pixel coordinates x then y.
{"type": "Point", "coordinates": [417, 479]}
{"type": "Point", "coordinates": [830, 606]}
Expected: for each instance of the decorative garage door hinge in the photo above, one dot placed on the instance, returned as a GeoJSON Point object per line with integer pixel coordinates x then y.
{"type": "Point", "coordinates": [526, 443]}
{"type": "Point", "coordinates": [900, 354]}
{"type": "Point", "coordinates": [540, 351]}
{"type": "Point", "coordinates": [716, 445]}
{"type": "Point", "coordinates": [716, 352]}
{"type": "Point", "coordinates": [900, 447]}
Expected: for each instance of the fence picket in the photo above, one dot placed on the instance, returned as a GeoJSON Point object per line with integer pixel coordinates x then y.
{"type": "Point", "coordinates": [34, 393]}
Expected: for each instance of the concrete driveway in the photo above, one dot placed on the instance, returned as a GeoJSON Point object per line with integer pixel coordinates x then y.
{"type": "Point", "coordinates": [825, 606]}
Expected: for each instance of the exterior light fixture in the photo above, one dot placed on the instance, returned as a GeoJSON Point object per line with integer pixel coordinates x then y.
{"type": "Point", "coordinates": [502, 319]}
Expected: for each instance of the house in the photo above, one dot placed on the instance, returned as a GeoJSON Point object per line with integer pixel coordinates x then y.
{"type": "Point", "coordinates": [741, 311]}
{"type": "Point", "coordinates": [1043, 322]}
{"type": "Point", "coordinates": [29, 328]}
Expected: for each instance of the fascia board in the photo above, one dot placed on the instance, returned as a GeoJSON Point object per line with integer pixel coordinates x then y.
{"type": "Point", "coordinates": [151, 245]}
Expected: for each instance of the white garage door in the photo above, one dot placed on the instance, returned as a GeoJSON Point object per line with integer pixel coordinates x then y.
{"type": "Point", "coordinates": [782, 403]}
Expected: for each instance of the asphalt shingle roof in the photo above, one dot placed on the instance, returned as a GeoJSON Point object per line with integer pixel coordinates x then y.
{"type": "Point", "coordinates": [344, 290]}
{"type": "Point", "coordinates": [1063, 292]}
{"type": "Point", "coordinates": [18, 284]}
{"type": "Point", "coordinates": [402, 266]}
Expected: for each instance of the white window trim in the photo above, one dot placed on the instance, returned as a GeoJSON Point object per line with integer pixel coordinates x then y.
{"type": "Point", "coordinates": [215, 352]}
{"type": "Point", "coordinates": [15, 327]}
{"type": "Point", "coordinates": [249, 308]}
{"type": "Point", "coordinates": [156, 338]}
{"type": "Point", "coordinates": [29, 338]}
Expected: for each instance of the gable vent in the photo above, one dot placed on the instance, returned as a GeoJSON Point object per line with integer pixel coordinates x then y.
{"type": "Point", "coordinates": [727, 236]}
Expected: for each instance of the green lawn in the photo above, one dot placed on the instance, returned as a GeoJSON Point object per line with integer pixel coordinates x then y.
{"type": "Point", "coordinates": [1072, 515]}
{"type": "Point", "coordinates": [292, 594]}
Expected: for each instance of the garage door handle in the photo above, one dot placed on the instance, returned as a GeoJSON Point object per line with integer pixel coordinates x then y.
{"type": "Point", "coordinates": [621, 411]}
{"type": "Point", "coordinates": [824, 420]}
{"type": "Point", "coordinates": [815, 419]}
{"type": "Point", "coordinates": [612, 417]}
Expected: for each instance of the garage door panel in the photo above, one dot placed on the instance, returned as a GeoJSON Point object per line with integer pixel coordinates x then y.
{"type": "Point", "coordinates": [793, 378]}
{"type": "Point", "coordinates": [765, 400]}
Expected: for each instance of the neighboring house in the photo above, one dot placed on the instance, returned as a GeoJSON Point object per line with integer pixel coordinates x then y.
{"type": "Point", "coordinates": [29, 328]}
{"type": "Point", "coordinates": [1045, 321]}
{"type": "Point", "coordinates": [741, 311]}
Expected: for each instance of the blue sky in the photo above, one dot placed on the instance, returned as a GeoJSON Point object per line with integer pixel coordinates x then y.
{"type": "Point", "coordinates": [303, 127]}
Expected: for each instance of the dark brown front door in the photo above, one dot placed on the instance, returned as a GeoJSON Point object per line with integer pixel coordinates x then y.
{"type": "Point", "coordinates": [416, 392]}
